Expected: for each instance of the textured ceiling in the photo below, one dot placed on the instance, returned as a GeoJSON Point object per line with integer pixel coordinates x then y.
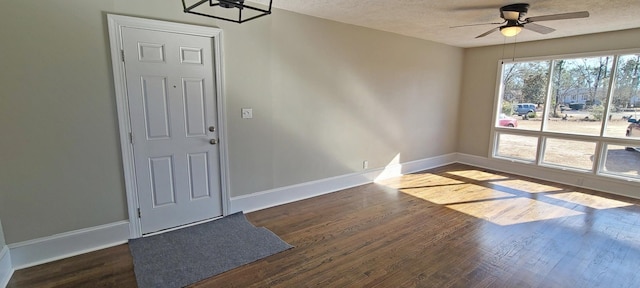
{"type": "Point", "coordinates": [431, 19]}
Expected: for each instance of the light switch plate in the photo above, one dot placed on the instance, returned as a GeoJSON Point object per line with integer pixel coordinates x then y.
{"type": "Point", "coordinates": [247, 113]}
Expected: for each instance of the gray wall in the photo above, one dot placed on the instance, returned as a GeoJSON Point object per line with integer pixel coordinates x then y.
{"type": "Point", "coordinates": [61, 167]}
{"type": "Point", "coordinates": [480, 74]}
{"type": "Point", "coordinates": [326, 96]}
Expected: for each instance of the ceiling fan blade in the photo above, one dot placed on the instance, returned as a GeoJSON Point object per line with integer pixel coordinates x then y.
{"type": "Point", "coordinates": [572, 15]}
{"type": "Point", "coordinates": [478, 24]}
{"type": "Point", "coordinates": [488, 32]}
{"type": "Point", "coordinates": [538, 28]}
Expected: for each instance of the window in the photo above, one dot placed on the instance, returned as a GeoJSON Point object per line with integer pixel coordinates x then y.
{"type": "Point", "coordinates": [576, 113]}
{"type": "Point", "coordinates": [526, 147]}
{"type": "Point", "coordinates": [524, 89]}
{"type": "Point", "coordinates": [621, 161]}
{"type": "Point", "coordinates": [625, 98]}
{"type": "Point", "coordinates": [581, 85]}
{"type": "Point", "coordinates": [569, 153]}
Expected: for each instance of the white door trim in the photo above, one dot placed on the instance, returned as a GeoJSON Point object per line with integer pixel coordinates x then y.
{"type": "Point", "coordinates": [116, 22]}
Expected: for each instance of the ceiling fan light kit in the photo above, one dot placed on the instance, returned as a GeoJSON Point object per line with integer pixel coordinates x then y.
{"type": "Point", "coordinates": [223, 10]}
{"type": "Point", "coordinates": [510, 31]}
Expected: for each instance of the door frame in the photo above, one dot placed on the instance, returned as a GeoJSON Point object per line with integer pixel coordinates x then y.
{"type": "Point", "coordinates": [116, 23]}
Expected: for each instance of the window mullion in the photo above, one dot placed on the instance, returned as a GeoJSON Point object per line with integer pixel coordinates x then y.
{"type": "Point", "coordinates": [607, 102]}
{"type": "Point", "coordinates": [545, 115]}
{"type": "Point", "coordinates": [548, 101]}
{"type": "Point", "coordinates": [600, 145]}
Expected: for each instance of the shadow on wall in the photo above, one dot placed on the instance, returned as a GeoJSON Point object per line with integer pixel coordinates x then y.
{"type": "Point", "coordinates": [351, 103]}
{"type": "Point", "coordinates": [324, 101]}
{"type": "Point", "coordinates": [2, 239]}
{"type": "Point", "coordinates": [323, 95]}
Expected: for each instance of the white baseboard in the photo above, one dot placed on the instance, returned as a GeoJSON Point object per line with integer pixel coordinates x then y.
{"type": "Point", "coordinates": [578, 179]}
{"type": "Point", "coordinates": [274, 197]}
{"type": "Point", "coordinates": [6, 269]}
{"type": "Point", "coordinates": [271, 198]}
{"type": "Point", "coordinates": [43, 250]}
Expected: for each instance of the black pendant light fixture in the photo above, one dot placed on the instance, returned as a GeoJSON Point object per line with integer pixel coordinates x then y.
{"type": "Point", "coordinates": [229, 10]}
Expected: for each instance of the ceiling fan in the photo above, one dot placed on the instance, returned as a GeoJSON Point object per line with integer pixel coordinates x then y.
{"type": "Point", "coordinates": [514, 21]}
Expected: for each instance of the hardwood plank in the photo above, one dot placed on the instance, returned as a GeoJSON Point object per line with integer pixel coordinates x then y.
{"type": "Point", "coordinates": [454, 226]}
{"type": "Point", "coordinates": [112, 267]}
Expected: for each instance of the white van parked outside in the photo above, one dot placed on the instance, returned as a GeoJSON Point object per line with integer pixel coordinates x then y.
{"type": "Point", "coordinates": [525, 108]}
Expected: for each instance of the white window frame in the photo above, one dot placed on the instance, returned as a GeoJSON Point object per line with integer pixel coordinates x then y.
{"type": "Point", "coordinates": [600, 140]}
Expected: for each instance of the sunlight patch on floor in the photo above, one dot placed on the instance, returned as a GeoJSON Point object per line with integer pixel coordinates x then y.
{"type": "Point", "coordinates": [513, 211]}
{"type": "Point", "coordinates": [477, 175]}
{"type": "Point", "coordinates": [593, 201]}
{"type": "Point", "coordinates": [494, 204]}
{"type": "Point", "coordinates": [461, 193]}
{"type": "Point", "coordinates": [527, 186]}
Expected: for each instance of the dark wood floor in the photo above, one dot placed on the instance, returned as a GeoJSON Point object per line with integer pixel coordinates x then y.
{"type": "Point", "coordinates": [455, 226]}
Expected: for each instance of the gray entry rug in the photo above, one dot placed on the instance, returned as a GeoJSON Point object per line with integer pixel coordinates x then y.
{"type": "Point", "coordinates": [188, 255]}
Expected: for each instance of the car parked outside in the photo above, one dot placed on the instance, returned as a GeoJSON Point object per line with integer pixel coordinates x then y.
{"type": "Point", "coordinates": [633, 130]}
{"type": "Point", "coordinates": [525, 108]}
{"type": "Point", "coordinates": [506, 121]}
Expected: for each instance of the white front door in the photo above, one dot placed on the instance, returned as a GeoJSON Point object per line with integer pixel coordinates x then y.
{"type": "Point", "coordinates": [172, 107]}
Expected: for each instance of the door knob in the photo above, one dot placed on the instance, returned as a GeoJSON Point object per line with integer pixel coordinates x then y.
{"type": "Point", "coordinates": [213, 141]}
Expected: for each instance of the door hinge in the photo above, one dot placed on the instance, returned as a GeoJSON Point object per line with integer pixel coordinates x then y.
{"type": "Point", "coordinates": [139, 214]}
{"type": "Point", "coordinates": [122, 54]}
{"type": "Point", "coordinates": [131, 137]}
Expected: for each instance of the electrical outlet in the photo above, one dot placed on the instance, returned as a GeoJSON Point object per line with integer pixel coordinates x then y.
{"type": "Point", "coordinates": [365, 164]}
{"type": "Point", "coordinates": [247, 113]}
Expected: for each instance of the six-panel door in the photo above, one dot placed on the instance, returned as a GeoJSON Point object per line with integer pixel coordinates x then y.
{"type": "Point", "coordinates": [170, 86]}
